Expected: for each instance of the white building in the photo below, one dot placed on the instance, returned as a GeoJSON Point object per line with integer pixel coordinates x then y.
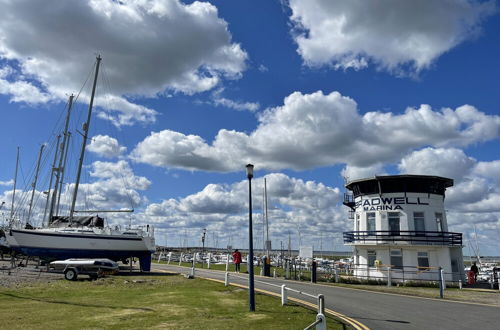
{"type": "Point", "coordinates": [399, 223]}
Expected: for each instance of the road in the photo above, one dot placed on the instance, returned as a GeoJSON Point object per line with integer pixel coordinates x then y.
{"type": "Point", "coordinates": [375, 310]}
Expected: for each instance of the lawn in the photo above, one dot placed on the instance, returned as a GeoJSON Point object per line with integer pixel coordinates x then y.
{"type": "Point", "coordinates": [139, 302]}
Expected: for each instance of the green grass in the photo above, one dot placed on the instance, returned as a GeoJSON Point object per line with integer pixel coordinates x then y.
{"type": "Point", "coordinates": [140, 302]}
{"type": "Point", "coordinates": [280, 272]}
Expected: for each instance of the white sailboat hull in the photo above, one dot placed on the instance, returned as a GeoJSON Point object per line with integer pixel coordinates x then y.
{"type": "Point", "coordinates": [60, 243]}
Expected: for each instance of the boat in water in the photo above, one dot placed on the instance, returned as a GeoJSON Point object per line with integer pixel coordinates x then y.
{"type": "Point", "coordinates": [75, 236]}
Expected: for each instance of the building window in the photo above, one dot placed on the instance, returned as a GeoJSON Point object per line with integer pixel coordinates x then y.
{"type": "Point", "coordinates": [370, 223]}
{"type": "Point", "coordinates": [394, 223]}
{"type": "Point", "coordinates": [396, 259]}
{"type": "Point", "coordinates": [439, 221]}
{"type": "Point", "coordinates": [372, 256]}
{"type": "Point", "coordinates": [454, 265]}
{"type": "Point", "coordinates": [357, 222]}
{"type": "Point", "coordinates": [423, 260]}
{"type": "Point", "coordinates": [419, 222]}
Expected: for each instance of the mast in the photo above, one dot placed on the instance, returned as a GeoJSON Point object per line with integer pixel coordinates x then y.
{"type": "Point", "coordinates": [321, 243]}
{"type": "Point", "coordinates": [86, 127]}
{"type": "Point", "coordinates": [34, 183]}
{"type": "Point", "coordinates": [50, 182]}
{"type": "Point", "coordinates": [478, 256]}
{"type": "Point", "coordinates": [289, 245]}
{"type": "Point", "coordinates": [59, 169]}
{"type": "Point", "coordinates": [15, 184]}
{"type": "Point", "coordinates": [263, 219]}
{"type": "Point", "coordinates": [267, 220]}
{"type": "Point", "coordinates": [62, 173]}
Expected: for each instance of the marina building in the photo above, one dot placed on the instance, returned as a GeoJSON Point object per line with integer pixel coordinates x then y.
{"type": "Point", "coordinates": [400, 229]}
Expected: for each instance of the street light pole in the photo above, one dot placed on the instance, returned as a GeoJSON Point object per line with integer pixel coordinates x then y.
{"type": "Point", "coordinates": [251, 291]}
{"type": "Point", "coordinates": [203, 248]}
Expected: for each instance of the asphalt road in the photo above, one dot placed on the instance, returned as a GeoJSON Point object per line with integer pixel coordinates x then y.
{"type": "Point", "coordinates": [375, 310]}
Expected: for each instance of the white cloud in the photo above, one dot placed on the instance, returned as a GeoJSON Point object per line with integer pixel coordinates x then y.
{"type": "Point", "coordinates": [148, 47]}
{"type": "Point", "coordinates": [106, 146]}
{"type": "Point", "coordinates": [23, 91]}
{"type": "Point", "coordinates": [293, 204]}
{"type": "Point", "coordinates": [121, 112]}
{"type": "Point", "coordinates": [451, 163]}
{"type": "Point", "coordinates": [353, 172]}
{"type": "Point", "coordinates": [114, 186]}
{"type": "Point", "coordinates": [119, 171]}
{"type": "Point", "coordinates": [263, 68]}
{"type": "Point", "coordinates": [394, 35]}
{"type": "Point", "coordinates": [312, 130]}
{"type": "Point", "coordinates": [473, 191]}
{"type": "Point", "coordinates": [489, 170]}
{"type": "Point", "coordinates": [7, 183]}
{"type": "Point", "coordinates": [240, 106]}
{"type": "Point", "coordinates": [469, 191]}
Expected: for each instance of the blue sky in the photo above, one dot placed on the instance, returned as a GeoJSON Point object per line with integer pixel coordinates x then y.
{"type": "Point", "coordinates": [307, 91]}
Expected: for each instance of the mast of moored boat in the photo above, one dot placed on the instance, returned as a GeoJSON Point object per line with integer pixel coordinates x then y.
{"type": "Point", "coordinates": [85, 137]}
{"type": "Point", "coordinates": [15, 184]}
{"type": "Point", "coordinates": [50, 182]}
{"type": "Point", "coordinates": [59, 169]}
{"type": "Point", "coordinates": [34, 182]}
{"type": "Point", "coordinates": [268, 243]}
{"type": "Point", "coordinates": [62, 173]}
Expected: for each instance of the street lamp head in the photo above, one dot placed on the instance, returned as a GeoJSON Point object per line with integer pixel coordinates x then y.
{"type": "Point", "coordinates": [249, 171]}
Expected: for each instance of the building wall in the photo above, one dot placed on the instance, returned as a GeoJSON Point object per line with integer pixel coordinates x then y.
{"type": "Point", "coordinates": [406, 205]}
{"type": "Point", "coordinates": [438, 256]}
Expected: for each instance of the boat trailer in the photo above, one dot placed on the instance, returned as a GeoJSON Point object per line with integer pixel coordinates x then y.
{"type": "Point", "coordinates": [94, 268]}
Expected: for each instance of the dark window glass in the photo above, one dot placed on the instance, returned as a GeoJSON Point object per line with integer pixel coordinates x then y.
{"type": "Point", "coordinates": [370, 223]}
{"type": "Point", "coordinates": [396, 259]}
{"type": "Point", "coordinates": [419, 222]}
{"type": "Point", "coordinates": [372, 256]}
{"type": "Point", "coordinates": [423, 260]}
{"type": "Point", "coordinates": [394, 225]}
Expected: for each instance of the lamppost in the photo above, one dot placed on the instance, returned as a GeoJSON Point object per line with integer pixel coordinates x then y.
{"type": "Point", "coordinates": [251, 291]}
{"type": "Point", "coordinates": [203, 248]}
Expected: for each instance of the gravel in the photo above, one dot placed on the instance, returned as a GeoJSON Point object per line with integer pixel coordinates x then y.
{"type": "Point", "coordinates": [11, 277]}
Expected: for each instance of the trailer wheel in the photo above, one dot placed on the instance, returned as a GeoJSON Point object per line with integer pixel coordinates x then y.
{"type": "Point", "coordinates": [70, 274]}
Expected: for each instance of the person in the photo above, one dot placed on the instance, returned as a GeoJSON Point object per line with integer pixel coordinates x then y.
{"type": "Point", "coordinates": [237, 260]}
{"type": "Point", "coordinates": [475, 270]}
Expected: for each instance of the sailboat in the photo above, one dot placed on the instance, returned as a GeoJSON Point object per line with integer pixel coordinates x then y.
{"type": "Point", "coordinates": [76, 236]}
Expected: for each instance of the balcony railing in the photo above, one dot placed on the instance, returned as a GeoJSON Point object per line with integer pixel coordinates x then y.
{"type": "Point", "coordinates": [403, 237]}
{"type": "Point", "coordinates": [349, 201]}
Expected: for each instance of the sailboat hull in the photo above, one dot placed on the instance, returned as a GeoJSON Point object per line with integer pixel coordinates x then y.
{"type": "Point", "coordinates": [83, 244]}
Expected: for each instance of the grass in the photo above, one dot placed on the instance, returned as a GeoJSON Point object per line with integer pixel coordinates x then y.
{"type": "Point", "coordinates": [138, 302]}
{"type": "Point", "coordinates": [280, 272]}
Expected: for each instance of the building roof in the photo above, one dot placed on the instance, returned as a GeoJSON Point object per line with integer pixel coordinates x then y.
{"type": "Point", "coordinates": [400, 183]}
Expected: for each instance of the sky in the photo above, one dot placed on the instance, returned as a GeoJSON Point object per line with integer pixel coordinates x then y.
{"type": "Point", "coordinates": [313, 93]}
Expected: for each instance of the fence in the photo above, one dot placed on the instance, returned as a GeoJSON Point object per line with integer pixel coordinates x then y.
{"type": "Point", "coordinates": [327, 271]}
